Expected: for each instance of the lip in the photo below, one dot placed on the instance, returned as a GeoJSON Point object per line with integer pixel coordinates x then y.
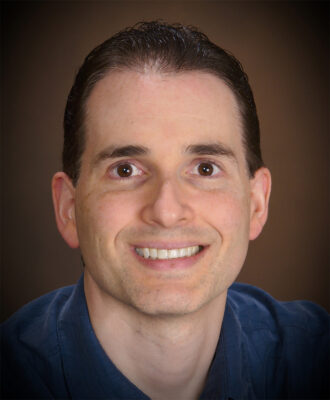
{"type": "Point", "coordinates": [172, 264]}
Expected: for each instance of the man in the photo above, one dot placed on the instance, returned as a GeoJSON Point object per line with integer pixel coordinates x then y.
{"type": "Point", "coordinates": [163, 186]}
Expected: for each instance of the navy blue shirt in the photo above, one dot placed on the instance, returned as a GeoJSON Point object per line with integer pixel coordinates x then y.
{"type": "Point", "coordinates": [266, 350]}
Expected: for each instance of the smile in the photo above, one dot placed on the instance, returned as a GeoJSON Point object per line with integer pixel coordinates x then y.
{"type": "Point", "coordinates": [167, 254]}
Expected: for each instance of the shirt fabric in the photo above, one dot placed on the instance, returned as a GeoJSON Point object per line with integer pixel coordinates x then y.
{"type": "Point", "coordinates": [266, 350]}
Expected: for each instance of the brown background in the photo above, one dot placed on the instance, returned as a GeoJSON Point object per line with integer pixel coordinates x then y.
{"type": "Point", "coordinates": [284, 48]}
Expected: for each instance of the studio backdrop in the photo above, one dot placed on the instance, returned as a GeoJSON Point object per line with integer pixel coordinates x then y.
{"type": "Point", "coordinates": [284, 48]}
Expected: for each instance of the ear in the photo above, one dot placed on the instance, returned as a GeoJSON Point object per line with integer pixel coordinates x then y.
{"type": "Point", "coordinates": [64, 204]}
{"type": "Point", "coordinates": [260, 192]}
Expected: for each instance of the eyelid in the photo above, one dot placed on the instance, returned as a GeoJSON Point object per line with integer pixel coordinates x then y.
{"type": "Point", "coordinates": [111, 169]}
{"type": "Point", "coordinates": [208, 161]}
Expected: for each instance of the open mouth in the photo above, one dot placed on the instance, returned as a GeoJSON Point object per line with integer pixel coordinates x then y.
{"type": "Point", "coordinates": [168, 254]}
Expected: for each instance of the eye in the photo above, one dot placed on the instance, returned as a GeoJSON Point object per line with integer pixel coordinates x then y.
{"type": "Point", "coordinates": [125, 170]}
{"type": "Point", "coordinates": [206, 169]}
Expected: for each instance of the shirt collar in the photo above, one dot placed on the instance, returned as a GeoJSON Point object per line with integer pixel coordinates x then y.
{"type": "Point", "coordinates": [90, 373]}
{"type": "Point", "coordinates": [228, 375]}
{"type": "Point", "coordinates": [88, 370]}
{"type": "Point", "coordinates": [235, 353]}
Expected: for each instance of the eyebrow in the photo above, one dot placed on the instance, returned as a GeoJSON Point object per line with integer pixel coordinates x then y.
{"type": "Point", "coordinates": [211, 149]}
{"type": "Point", "coordinates": [123, 151]}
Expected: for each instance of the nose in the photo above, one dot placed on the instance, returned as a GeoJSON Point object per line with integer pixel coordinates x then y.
{"type": "Point", "coordinates": [167, 207]}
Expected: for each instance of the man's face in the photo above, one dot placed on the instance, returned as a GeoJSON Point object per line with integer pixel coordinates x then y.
{"type": "Point", "coordinates": [163, 169]}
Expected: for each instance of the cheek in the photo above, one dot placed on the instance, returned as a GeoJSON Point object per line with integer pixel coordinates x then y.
{"type": "Point", "coordinates": [229, 210]}
{"type": "Point", "coordinates": [109, 213]}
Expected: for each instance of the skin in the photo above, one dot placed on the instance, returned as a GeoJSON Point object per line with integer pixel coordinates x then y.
{"type": "Point", "coordinates": [161, 314]}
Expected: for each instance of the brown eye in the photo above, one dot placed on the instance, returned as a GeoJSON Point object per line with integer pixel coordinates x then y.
{"type": "Point", "coordinates": [124, 170]}
{"type": "Point", "coordinates": [205, 169]}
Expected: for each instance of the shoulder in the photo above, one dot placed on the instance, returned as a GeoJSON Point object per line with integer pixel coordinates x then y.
{"type": "Point", "coordinates": [286, 342]}
{"type": "Point", "coordinates": [29, 346]}
{"type": "Point", "coordinates": [256, 308]}
{"type": "Point", "coordinates": [36, 319]}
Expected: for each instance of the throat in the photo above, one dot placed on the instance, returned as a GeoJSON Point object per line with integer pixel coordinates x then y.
{"type": "Point", "coordinates": [165, 357]}
{"type": "Point", "coordinates": [168, 366]}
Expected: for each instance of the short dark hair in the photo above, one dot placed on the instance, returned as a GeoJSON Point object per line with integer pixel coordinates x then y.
{"type": "Point", "coordinates": [165, 48]}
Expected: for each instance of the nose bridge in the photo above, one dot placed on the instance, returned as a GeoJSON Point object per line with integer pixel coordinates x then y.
{"type": "Point", "coordinates": [168, 206]}
{"type": "Point", "coordinates": [168, 195]}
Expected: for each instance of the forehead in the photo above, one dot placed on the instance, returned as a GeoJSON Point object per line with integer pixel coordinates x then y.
{"type": "Point", "coordinates": [126, 107]}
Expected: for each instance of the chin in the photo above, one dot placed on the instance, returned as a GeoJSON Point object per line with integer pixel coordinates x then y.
{"type": "Point", "coordinates": [166, 310]}
{"type": "Point", "coordinates": [170, 303]}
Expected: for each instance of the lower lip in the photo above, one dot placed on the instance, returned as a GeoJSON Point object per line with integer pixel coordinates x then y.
{"type": "Point", "coordinates": [171, 264]}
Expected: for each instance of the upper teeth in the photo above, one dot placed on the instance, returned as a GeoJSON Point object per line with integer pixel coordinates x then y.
{"type": "Point", "coordinates": [165, 254]}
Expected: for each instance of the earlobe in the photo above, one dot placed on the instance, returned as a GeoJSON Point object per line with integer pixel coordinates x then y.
{"type": "Point", "coordinates": [64, 205]}
{"type": "Point", "coordinates": [260, 193]}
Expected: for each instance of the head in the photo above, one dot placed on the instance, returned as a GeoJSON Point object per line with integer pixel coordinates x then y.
{"type": "Point", "coordinates": [163, 183]}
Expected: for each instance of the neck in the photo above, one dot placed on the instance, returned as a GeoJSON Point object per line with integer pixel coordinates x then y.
{"type": "Point", "coordinates": [164, 356]}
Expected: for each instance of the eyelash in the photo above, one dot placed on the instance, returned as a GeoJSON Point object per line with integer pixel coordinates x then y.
{"type": "Point", "coordinates": [210, 162]}
{"type": "Point", "coordinates": [135, 168]}
{"type": "Point", "coordinates": [114, 168]}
